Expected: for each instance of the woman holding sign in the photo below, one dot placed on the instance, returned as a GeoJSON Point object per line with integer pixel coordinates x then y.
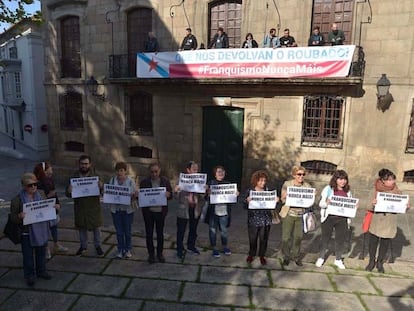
{"type": "Point", "coordinates": [34, 236]}
{"type": "Point", "coordinates": [383, 226]}
{"type": "Point", "coordinates": [338, 186]}
{"type": "Point", "coordinates": [258, 219]}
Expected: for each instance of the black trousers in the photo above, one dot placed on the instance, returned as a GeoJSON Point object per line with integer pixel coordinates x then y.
{"type": "Point", "coordinates": [261, 233]}
{"type": "Point", "coordinates": [152, 219]}
{"type": "Point", "coordinates": [384, 244]}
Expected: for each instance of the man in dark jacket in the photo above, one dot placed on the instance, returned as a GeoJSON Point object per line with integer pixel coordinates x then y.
{"type": "Point", "coordinates": [189, 41]}
{"type": "Point", "coordinates": [336, 36]}
{"type": "Point", "coordinates": [155, 215]}
{"type": "Point", "coordinates": [151, 44]}
{"type": "Point", "coordinates": [88, 211]}
{"type": "Point", "coordinates": [220, 40]}
{"type": "Point", "coordinates": [316, 38]}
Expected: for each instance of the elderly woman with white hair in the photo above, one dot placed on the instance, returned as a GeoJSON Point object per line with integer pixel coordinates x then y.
{"type": "Point", "coordinates": [34, 236]}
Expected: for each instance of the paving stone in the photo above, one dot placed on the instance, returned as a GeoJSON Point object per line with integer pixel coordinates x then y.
{"type": "Point", "coordinates": [24, 300]}
{"type": "Point", "coordinates": [235, 276]}
{"type": "Point", "coordinates": [98, 285]}
{"type": "Point", "coordinates": [217, 294]}
{"type": "Point", "coordinates": [352, 283]}
{"type": "Point", "coordinates": [15, 279]}
{"type": "Point", "coordinates": [377, 303]}
{"type": "Point", "coordinates": [4, 294]}
{"type": "Point", "coordinates": [399, 287]}
{"type": "Point", "coordinates": [106, 304]}
{"type": "Point", "coordinates": [402, 267]}
{"type": "Point", "coordinates": [164, 306]}
{"type": "Point", "coordinates": [135, 240]}
{"type": "Point", "coordinates": [11, 259]}
{"type": "Point", "coordinates": [3, 271]}
{"type": "Point", "coordinates": [287, 299]}
{"type": "Point", "coordinates": [6, 244]}
{"type": "Point", "coordinates": [77, 264]}
{"type": "Point", "coordinates": [68, 234]}
{"type": "Point", "coordinates": [303, 280]}
{"type": "Point", "coordinates": [156, 271]}
{"type": "Point", "coordinates": [153, 289]}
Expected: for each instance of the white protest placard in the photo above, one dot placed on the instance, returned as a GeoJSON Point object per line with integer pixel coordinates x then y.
{"type": "Point", "coordinates": [262, 199]}
{"type": "Point", "coordinates": [300, 196]}
{"type": "Point", "coordinates": [342, 206]}
{"type": "Point", "coordinates": [85, 187]}
{"type": "Point", "coordinates": [224, 193]}
{"type": "Point", "coordinates": [39, 211]}
{"type": "Point", "coordinates": [152, 197]}
{"type": "Point", "coordinates": [193, 182]}
{"type": "Point", "coordinates": [114, 194]}
{"type": "Point", "coordinates": [391, 203]}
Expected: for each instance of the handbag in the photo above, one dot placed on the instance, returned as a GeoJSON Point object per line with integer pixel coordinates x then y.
{"type": "Point", "coordinates": [309, 222]}
{"type": "Point", "coordinates": [13, 231]}
{"type": "Point", "coordinates": [367, 221]}
{"type": "Point", "coordinates": [275, 217]}
{"type": "Point", "coordinates": [284, 211]}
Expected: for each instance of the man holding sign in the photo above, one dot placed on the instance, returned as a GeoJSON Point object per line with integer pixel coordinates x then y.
{"type": "Point", "coordinates": [383, 226]}
{"type": "Point", "coordinates": [155, 209]}
{"type": "Point", "coordinates": [88, 212]}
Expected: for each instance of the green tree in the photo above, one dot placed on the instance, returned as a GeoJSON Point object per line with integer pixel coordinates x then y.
{"type": "Point", "coordinates": [12, 16]}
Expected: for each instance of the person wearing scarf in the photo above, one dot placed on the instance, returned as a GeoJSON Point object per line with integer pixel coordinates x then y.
{"type": "Point", "coordinates": [383, 226]}
{"type": "Point", "coordinates": [34, 236]}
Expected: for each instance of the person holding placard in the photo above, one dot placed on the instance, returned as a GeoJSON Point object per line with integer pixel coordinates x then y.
{"type": "Point", "coordinates": [258, 220]}
{"type": "Point", "coordinates": [218, 215]}
{"type": "Point", "coordinates": [87, 209]}
{"type": "Point", "coordinates": [292, 227]}
{"type": "Point", "coordinates": [123, 214]}
{"type": "Point", "coordinates": [155, 215]}
{"type": "Point", "coordinates": [44, 174]}
{"type": "Point", "coordinates": [383, 226]}
{"type": "Point", "coordinates": [34, 236]}
{"type": "Point", "coordinates": [189, 209]}
{"type": "Point", "coordinates": [338, 186]}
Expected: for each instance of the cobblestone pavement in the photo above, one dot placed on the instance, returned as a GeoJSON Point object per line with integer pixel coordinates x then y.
{"type": "Point", "coordinates": [201, 282]}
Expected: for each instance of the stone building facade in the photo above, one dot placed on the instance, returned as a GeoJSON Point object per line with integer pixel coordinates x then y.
{"type": "Point", "coordinates": [97, 105]}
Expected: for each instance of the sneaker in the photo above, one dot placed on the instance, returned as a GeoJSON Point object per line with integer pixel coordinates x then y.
{"type": "Point", "coordinates": [128, 254]}
{"type": "Point", "coordinates": [119, 255]}
{"type": "Point", "coordinates": [216, 254]}
{"type": "Point", "coordinates": [44, 275]}
{"type": "Point", "coordinates": [194, 251]}
{"type": "Point", "coordinates": [80, 251]}
{"type": "Point", "coordinates": [48, 255]}
{"type": "Point", "coordinates": [340, 264]}
{"type": "Point", "coordinates": [99, 251]}
{"type": "Point", "coordinates": [60, 249]}
{"type": "Point", "coordinates": [249, 259]}
{"type": "Point", "coordinates": [319, 262]}
{"type": "Point", "coordinates": [227, 251]}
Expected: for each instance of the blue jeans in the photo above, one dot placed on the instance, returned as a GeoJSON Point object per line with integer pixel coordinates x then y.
{"type": "Point", "coordinates": [218, 222]}
{"type": "Point", "coordinates": [54, 233]}
{"type": "Point", "coordinates": [33, 263]}
{"type": "Point", "coordinates": [83, 236]}
{"type": "Point", "coordinates": [192, 233]}
{"type": "Point", "coordinates": [123, 223]}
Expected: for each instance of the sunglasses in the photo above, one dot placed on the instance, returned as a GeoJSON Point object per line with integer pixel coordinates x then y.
{"type": "Point", "coordinates": [31, 185]}
{"type": "Point", "coordinates": [300, 174]}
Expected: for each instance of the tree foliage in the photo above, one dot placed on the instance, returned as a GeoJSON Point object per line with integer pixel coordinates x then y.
{"type": "Point", "coordinates": [12, 16]}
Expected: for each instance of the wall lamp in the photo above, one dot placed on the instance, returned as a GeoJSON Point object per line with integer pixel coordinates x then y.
{"type": "Point", "coordinates": [92, 86]}
{"type": "Point", "coordinates": [384, 97]}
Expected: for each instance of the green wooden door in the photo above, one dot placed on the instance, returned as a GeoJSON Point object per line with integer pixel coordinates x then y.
{"type": "Point", "coordinates": [223, 141]}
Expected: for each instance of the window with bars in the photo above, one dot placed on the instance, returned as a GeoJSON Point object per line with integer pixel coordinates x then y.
{"type": "Point", "coordinates": [13, 52]}
{"type": "Point", "coordinates": [70, 107]}
{"type": "Point", "coordinates": [319, 167]}
{"type": "Point", "coordinates": [138, 114]}
{"type": "Point", "coordinates": [18, 84]}
{"type": "Point", "coordinates": [323, 118]}
{"type": "Point", "coordinates": [70, 47]}
{"type": "Point", "coordinates": [410, 138]}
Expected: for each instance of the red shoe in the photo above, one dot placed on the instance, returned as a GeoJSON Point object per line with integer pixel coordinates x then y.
{"type": "Point", "coordinates": [249, 259]}
{"type": "Point", "coordinates": [263, 260]}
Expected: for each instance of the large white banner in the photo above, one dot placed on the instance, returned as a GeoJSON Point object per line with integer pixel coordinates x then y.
{"type": "Point", "coordinates": [85, 187]}
{"type": "Point", "coordinates": [391, 203]}
{"type": "Point", "coordinates": [262, 199]}
{"type": "Point", "coordinates": [342, 206]}
{"type": "Point", "coordinates": [193, 182]}
{"type": "Point", "coordinates": [224, 193]}
{"type": "Point", "coordinates": [114, 194]}
{"type": "Point", "coordinates": [39, 211]}
{"type": "Point", "coordinates": [152, 197]}
{"type": "Point", "coordinates": [300, 197]}
{"type": "Point", "coordinates": [313, 62]}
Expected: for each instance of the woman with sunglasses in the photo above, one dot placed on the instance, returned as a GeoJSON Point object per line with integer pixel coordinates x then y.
{"type": "Point", "coordinates": [292, 227]}
{"type": "Point", "coordinates": [34, 236]}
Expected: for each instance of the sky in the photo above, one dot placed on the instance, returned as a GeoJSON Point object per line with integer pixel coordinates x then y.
{"type": "Point", "coordinates": [13, 4]}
